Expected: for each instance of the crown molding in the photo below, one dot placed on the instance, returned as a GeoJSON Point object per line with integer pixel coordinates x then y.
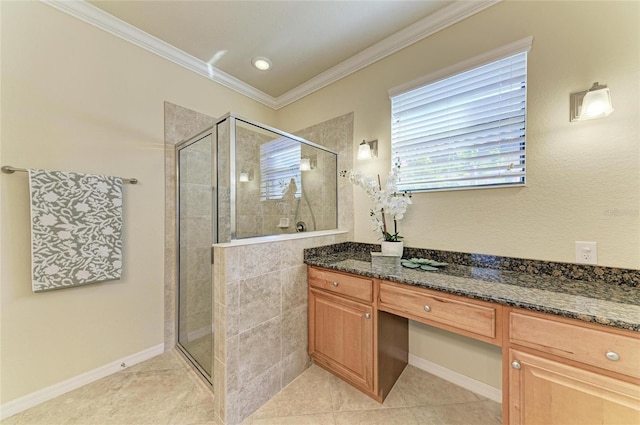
{"type": "Point", "coordinates": [97, 17]}
{"type": "Point", "coordinates": [427, 26]}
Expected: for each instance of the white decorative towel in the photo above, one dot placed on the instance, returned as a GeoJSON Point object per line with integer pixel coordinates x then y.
{"type": "Point", "coordinates": [76, 229]}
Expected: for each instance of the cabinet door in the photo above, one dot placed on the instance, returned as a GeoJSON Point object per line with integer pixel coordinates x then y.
{"type": "Point", "coordinates": [341, 337]}
{"type": "Point", "coordinates": [543, 391]}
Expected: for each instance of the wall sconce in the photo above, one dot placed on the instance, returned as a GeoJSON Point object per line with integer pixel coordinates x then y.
{"type": "Point", "coordinates": [246, 176]}
{"type": "Point", "coordinates": [367, 150]}
{"type": "Point", "coordinates": [592, 103]}
{"type": "Point", "coordinates": [307, 164]}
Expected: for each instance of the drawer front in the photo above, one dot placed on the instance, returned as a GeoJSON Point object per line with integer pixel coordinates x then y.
{"type": "Point", "coordinates": [433, 308]}
{"type": "Point", "coordinates": [600, 348]}
{"type": "Point", "coordinates": [356, 287]}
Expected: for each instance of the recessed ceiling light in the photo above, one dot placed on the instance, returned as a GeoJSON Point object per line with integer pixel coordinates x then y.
{"type": "Point", "coordinates": [261, 63]}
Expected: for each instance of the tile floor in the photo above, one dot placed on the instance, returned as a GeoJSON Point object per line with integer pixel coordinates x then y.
{"type": "Point", "coordinates": [164, 390]}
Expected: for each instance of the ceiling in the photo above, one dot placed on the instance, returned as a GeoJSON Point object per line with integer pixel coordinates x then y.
{"type": "Point", "coordinates": [310, 43]}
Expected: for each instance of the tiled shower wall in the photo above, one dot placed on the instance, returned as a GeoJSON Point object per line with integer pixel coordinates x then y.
{"type": "Point", "coordinates": [250, 215]}
{"type": "Point", "coordinates": [179, 124]}
{"type": "Point", "coordinates": [336, 135]}
{"type": "Point", "coordinates": [260, 294]}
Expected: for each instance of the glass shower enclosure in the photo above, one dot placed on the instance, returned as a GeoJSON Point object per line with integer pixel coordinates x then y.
{"type": "Point", "coordinates": [196, 233]}
{"type": "Point", "coordinates": [239, 180]}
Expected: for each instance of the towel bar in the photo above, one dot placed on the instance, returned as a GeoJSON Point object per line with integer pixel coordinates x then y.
{"type": "Point", "coordinates": [7, 169]}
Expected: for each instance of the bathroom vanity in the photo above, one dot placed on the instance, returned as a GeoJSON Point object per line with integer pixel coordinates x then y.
{"type": "Point", "coordinates": [570, 348]}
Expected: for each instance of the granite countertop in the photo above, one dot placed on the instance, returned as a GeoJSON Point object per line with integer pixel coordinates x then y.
{"type": "Point", "coordinates": [604, 297]}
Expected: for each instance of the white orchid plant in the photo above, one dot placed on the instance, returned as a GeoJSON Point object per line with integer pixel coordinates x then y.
{"type": "Point", "coordinates": [387, 201]}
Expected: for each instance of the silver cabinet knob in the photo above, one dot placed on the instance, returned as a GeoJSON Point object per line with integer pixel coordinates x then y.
{"type": "Point", "coordinates": [367, 315]}
{"type": "Point", "coordinates": [427, 308]}
{"type": "Point", "coordinates": [611, 355]}
{"type": "Point", "coordinates": [335, 284]}
{"type": "Point", "coordinates": [516, 364]}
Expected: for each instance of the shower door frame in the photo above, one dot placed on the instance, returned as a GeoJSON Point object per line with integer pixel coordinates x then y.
{"type": "Point", "coordinates": [208, 378]}
{"type": "Point", "coordinates": [232, 160]}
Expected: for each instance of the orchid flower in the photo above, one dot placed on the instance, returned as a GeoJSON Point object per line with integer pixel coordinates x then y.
{"type": "Point", "coordinates": [386, 201]}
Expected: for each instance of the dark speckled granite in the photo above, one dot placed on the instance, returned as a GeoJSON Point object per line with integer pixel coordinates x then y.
{"type": "Point", "coordinates": [594, 294]}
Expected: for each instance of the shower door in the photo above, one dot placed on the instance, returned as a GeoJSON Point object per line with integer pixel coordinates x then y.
{"type": "Point", "coordinates": [196, 233]}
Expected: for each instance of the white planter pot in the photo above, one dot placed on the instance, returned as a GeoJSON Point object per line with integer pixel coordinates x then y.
{"type": "Point", "coordinates": [392, 248]}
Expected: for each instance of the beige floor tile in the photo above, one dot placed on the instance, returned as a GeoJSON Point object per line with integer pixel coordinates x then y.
{"type": "Point", "coordinates": [345, 397]}
{"type": "Point", "coordinates": [130, 415]}
{"type": "Point", "coordinates": [162, 390]}
{"type": "Point", "coordinates": [419, 388]}
{"type": "Point", "coordinates": [197, 408]}
{"type": "Point", "coordinates": [310, 393]}
{"type": "Point", "coordinates": [319, 419]}
{"type": "Point", "coordinates": [399, 416]}
{"type": "Point", "coordinates": [478, 413]}
{"type": "Point", "coordinates": [169, 360]}
{"type": "Point", "coordinates": [165, 391]}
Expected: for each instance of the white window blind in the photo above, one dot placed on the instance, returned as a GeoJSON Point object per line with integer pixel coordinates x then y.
{"type": "Point", "coordinates": [463, 131]}
{"type": "Point", "coordinates": [279, 163]}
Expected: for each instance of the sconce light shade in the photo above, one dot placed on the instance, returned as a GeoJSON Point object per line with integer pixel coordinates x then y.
{"type": "Point", "coordinates": [305, 164]}
{"type": "Point", "coordinates": [308, 163]}
{"type": "Point", "coordinates": [590, 104]}
{"type": "Point", "coordinates": [364, 151]}
{"type": "Point", "coordinates": [367, 150]}
{"type": "Point", "coordinates": [246, 176]}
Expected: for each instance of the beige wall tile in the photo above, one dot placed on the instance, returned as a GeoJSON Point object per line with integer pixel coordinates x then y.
{"type": "Point", "coordinates": [259, 350]}
{"type": "Point", "coordinates": [260, 299]}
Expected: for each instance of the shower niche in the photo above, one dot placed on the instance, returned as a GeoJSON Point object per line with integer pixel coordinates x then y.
{"type": "Point", "coordinates": [235, 181]}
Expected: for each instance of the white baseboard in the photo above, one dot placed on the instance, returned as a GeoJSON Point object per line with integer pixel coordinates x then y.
{"type": "Point", "coordinates": [25, 402]}
{"type": "Point", "coordinates": [459, 379]}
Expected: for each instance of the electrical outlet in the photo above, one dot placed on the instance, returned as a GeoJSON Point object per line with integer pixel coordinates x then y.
{"type": "Point", "coordinates": [586, 253]}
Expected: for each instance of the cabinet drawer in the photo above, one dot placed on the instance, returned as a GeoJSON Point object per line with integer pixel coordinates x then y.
{"type": "Point", "coordinates": [359, 288]}
{"type": "Point", "coordinates": [577, 342]}
{"type": "Point", "coordinates": [434, 308]}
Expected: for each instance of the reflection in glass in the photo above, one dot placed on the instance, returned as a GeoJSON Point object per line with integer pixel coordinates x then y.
{"type": "Point", "coordinates": [294, 182]}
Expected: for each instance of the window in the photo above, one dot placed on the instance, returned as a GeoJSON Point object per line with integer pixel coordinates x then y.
{"type": "Point", "coordinates": [279, 163]}
{"type": "Point", "coordinates": [466, 129]}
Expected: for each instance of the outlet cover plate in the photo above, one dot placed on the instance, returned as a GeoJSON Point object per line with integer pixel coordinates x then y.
{"type": "Point", "coordinates": [586, 253]}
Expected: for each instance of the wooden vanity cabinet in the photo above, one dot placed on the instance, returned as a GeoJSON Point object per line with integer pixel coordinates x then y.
{"type": "Point", "coordinates": [563, 371]}
{"type": "Point", "coordinates": [556, 371]}
{"type": "Point", "coordinates": [349, 337]}
{"type": "Point", "coordinates": [341, 337]}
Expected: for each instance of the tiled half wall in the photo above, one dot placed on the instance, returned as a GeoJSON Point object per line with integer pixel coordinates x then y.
{"type": "Point", "coordinates": [260, 322]}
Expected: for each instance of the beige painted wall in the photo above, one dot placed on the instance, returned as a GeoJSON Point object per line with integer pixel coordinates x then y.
{"type": "Point", "coordinates": [76, 98]}
{"type": "Point", "coordinates": [579, 174]}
